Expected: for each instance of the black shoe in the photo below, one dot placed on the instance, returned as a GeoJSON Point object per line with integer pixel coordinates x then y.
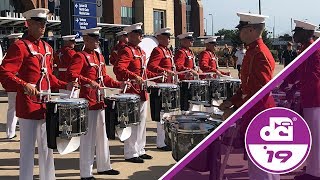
{"type": "Point", "coordinates": [110, 172]}
{"type": "Point", "coordinates": [135, 160]}
{"type": "Point", "coordinates": [306, 177]}
{"type": "Point", "coordinates": [145, 156]}
{"type": "Point", "coordinates": [164, 148]}
{"type": "Point", "coordinates": [13, 137]}
{"type": "Point", "coordinates": [88, 178]}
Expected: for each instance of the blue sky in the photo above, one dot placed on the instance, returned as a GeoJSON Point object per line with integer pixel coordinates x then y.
{"type": "Point", "coordinates": [224, 13]}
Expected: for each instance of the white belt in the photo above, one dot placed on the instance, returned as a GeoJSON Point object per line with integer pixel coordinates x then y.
{"type": "Point", "coordinates": [62, 69]}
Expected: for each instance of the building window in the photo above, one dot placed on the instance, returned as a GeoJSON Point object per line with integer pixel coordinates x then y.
{"type": "Point", "coordinates": [188, 2]}
{"type": "Point", "coordinates": [126, 15]}
{"type": "Point", "coordinates": [159, 20]}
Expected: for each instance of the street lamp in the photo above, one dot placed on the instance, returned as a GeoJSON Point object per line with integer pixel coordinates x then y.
{"type": "Point", "coordinates": [260, 7]}
{"type": "Point", "coordinates": [206, 25]}
{"type": "Point", "coordinates": [212, 22]}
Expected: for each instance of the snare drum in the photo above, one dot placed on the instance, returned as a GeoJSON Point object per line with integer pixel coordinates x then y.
{"type": "Point", "coordinates": [194, 90]}
{"type": "Point", "coordinates": [232, 87]}
{"type": "Point", "coordinates": [174, 119]}
{"type": "Point", "coordinates": [122, 110]}
{"type": "Point", "coordinates": [187, 135]}
{"type": "Point", "coordinates": [218, 89]}
{"type": "Point", "coordinates": [163, 98]}
{"type": "Point", "coordinates": [66, 118]}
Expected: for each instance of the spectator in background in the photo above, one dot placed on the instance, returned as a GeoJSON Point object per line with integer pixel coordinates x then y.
{"type": "Point", "coordinates": [239, 55]}
{"type": "Point", "coordinates": [288, 55]}
{"type": "Point", "coordinates": [233, 52]}
{"type": "Point", "coordinates": [226, 54]}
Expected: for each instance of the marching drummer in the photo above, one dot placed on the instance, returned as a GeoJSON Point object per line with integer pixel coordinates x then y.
{"type": "Point", "coordinates": [131, 64]}
{"type": "Point", "coordinates": [208, 59]}
{"type": "Point", "coordinates": [257, 71]}
{"type": "Point", "coordinates": [306, 79]}
{"type": "Point", "coordinates": [88, 66]}
{"type": "Point", "coordinates": [122, 42]}
{"type": "Point", "coordinates": [161, 61]}
{"type": "Point", "coordinates": [64, 55]}
{"type": "Point", "coordinates": [184, 58]}
{"type": "Point", "coordinates": [11, 90]}
{"type": "Point", "coordinates": [25, 57]}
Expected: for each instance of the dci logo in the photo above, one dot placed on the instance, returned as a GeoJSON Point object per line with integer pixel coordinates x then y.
{"type": "Point", "coordinates": [278, 140]}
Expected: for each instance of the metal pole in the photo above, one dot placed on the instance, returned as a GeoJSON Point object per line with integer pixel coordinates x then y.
{"type": "Point", "coordinates": [66, 10]}
{"type": "Point", "coordinates": [211, 23]}
{"type": "Point", "coordinates": [206, 26]}
{"type": "Point", "coordinates": [259, 6]}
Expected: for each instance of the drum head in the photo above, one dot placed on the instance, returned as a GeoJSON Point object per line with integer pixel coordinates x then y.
{"type": "Point", "coordinates": [124, 96]}
{"type": "Point", "coordinates": [166, 85]}
{"type": "Point", "coordinates": [195, 81]}
{"type": "Point", "coordinates": [179, 118]}
{"type": "Point", "coordinates": [194, 127]}
{"type": "Point", "coordinates": [69, 101]}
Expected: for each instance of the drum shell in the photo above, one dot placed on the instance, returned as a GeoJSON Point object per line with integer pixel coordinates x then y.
{"type": "Point", "coordinates": [188, 90]}
{"type": "Point", "coordinates": [168, 123]}
{"type": "Point", "coordinates": [232, 87]}
{"type": "Point", "coordinates": [112, 113]}
{"type": "Point", "coordinates": [157, 95]}
{"type": "Point", "coordinates": [184, 141]}
{"type": "Point", "coordinates": [58, 112]}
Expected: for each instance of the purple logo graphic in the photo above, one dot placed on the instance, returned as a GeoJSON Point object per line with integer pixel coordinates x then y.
{"type": "Point", "coordinates": [278, 140]}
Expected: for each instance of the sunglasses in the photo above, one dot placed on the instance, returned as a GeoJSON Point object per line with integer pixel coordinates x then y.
{"type": "Point", "coordinates": [40, 20]}
{"type": "Point", "coordinates": [138, 31]}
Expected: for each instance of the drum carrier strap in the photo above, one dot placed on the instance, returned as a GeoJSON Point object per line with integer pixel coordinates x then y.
{"type": "Point", "coordinates": [43, 61]}
{"type": "Point", "coordinates": [195, 67]}
{"type": "Point", "coordinates": [90, 61]}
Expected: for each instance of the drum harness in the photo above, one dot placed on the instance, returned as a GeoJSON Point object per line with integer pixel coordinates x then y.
{"type": "Point", "coordinates": [43, 70]}
{"type": "Point", "coordinates": [192, 57]}
{"type": "Point", "coordinates": [99, 68]}
{"type": "Point", "coordinates": [170, 56]}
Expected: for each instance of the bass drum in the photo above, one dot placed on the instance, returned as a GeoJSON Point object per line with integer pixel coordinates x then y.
{"type": "Point", "coordinates": [147, 44]}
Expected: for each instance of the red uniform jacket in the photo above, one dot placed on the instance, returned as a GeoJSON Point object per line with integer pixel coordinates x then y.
{"type": "Point", "coordinates": [20, 60]}
{"type": "Point", "coordinates": [161, 60]}
{"type": "Point", "coordinates": [130, 64]}
{"type": "Point", "coordinates": [62, 59]}
{"type": "Point", "coordinates": [257, 70]}
{"type": "Point", "coordinates": [310, 79]}
{"type": "Point", "coordinates": [115, 51]}
{"type": "Point", "coordinates": [184, 60]}
{"type": "Point", "coordinates": [88, 66]}
{"type": "Point", "coordinates": [208, 62]}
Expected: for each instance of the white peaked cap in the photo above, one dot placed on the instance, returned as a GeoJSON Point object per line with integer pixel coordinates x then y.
{"type": "Point", "coordinates": [211, 39]}
{"type": "Point", "coordinates": [69, 37]}
{"type": "Point", "coordinates": [15, 36]}
{"type": "Point", "coordinates": [317, 33]}
{"type": "Point", "coordinates": [36, 13]}
{"type": "Point", "coordinates": [92, 31]}
{"type": "Point", "coordinates": [304, 25]}
{"type": "Point", "coordinates": [137, 26]}
{"type": "Point", "coordinates": [121, 33]}
{"type": "Point", "coordinates": [188, 34]}
{"type": "Point", "coordinates": [248, 18]}
{"type": "Point", "coordinates": [166, 30]}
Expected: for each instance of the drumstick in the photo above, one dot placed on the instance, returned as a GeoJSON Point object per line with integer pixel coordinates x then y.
{"type": "Point", "coordinates": [181, 72]}
{"type": "Point", "coordinates": [126, 87]}
{"type": "Point", "coordinates": [52, 94]}
{"type": "Point", "coordinates": [158, 77]}
{"type": "Point", "coordinates": [73, 88]}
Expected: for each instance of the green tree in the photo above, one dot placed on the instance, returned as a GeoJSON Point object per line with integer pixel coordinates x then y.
{"type": "Point", "coordinates": [233, 36]}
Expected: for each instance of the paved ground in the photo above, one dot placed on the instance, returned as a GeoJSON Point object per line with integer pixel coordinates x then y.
{"type": "Point", "coordinates": [67, 166]}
